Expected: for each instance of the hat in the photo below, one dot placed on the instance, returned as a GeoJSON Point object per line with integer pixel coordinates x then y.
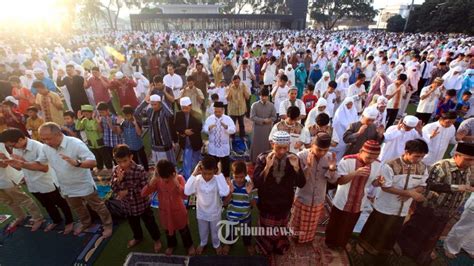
{"type": "Point", "coordinates": [119, 75]}
{"type": "Point", "coordinates": [185, 101]}
{"type": "Point", "coordinates": [326, 74]}
{"type": "Point", "coordinates": [410, 121]}
{"type": "Point", "coordinates": [292, 88]}
{"type": "Point", "coordinates": [218, 105]}
{"type": "Point", "coordinates": [382, 101]}
{"type": "Point", "coordinates": [12, 100]}
{"type": "Point", "coordinates": [438, 80]}
{"type": "Point", "coordinates": [155, 98]}
{"type": "Point", "coordinates": [137, 75]}
{"type": "Point", "coordinates": [371, 146]}
{"type": "Point", "coordinates": [38, 70]}
{"type": "Point", "coordinates": [212, 85]}
{"type": "Point", "coordinates": [87, 108]}
{"type": "Point", "coordinates": [465, 148]}
{"type": "Point", "coordinates": [322, 140]}
{"type": "Point", "coordinates": [370, 113]}
{"type": "Point", "coordinates": [281, 137]}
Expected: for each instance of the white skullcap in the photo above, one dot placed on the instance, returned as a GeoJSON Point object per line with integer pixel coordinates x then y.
{"type": "Point", "coordinates": [185, 101]}
{"type": "Point", "coordinates": [281, 137]}
{"type": "Point", "coordinates": [137, 75]}
{"type": "Point", "coordinates": [155, 98]}
{"type": "Point", "coordinates": [38, 70]}
{"type": "Point", "coordinates": [410, 121]}
{"type": "Point", "coordinates": [370, 113]}
{"type": "Point", "coordinates": [212, 84]}
{"type": "Point", "coordinates": [326, 74]}
{"type": "Point", "coordinates": [119, 75]}
{"type": "Point", "coordinates": [382, 101]}
{"type": "Point", "coordinates": [12, 100]}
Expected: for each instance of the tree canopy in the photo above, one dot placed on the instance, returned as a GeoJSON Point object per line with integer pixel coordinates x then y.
{"type": "Point", "coordinates": [396, 23]}
{"type": "Point", "coordinates": [329, 12]}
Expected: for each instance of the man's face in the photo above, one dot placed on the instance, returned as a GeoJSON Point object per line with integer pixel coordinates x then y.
{"type": "Point", "coordinates": [236, 82]}
{"type": "Point", "coordinates": [186, 109]}
{"type": "Point", "coordinates": [264, 98]}
{"type": "Point", "coordinates": [414, 157]}
{"type": "Point", "coordinates": [68, 120]}
{"type": "Point", "coordinates": [39, 76]}
{"type": "Point", "coordinates": [317, 151]}
{"type": "Point", "coordinates": [170, 70]}
{"type": "Point", "coordinates": [281, 83]}
{"type": "Point", "coordinates": [367, 121]}
{"type": "Point", "coordinates": [293, 94]}
{"type": "Point", "coordinates": [70, 71]}
{"type": "Point", "coordinates": [239, 179]}
{"type": "Point", "coordinates": [208, 174]}
{"type": "Point", "coordinates": [446, 122]}
{"type": "Point", "coordinates": [280, 149]}
{"type": "Point", "coordinates": [218, 111]}
{"type": "Point", "coordinates": [104, 112]}
{"type": "Point", "coordinates": [190, 83]}
{"type": "Point", "coordinates": [367, 157]}
{"type": "Point", "coordinates": [95, 73]}
{"type": "Point", "coordinates": [463, 161]}
{"type": "Point", "coordinates": [155, 105]}
{"type": "Point", "coordinates": [199, 68]}
{"type": "Point", "coordinates": [244, 66]}
{"type": "Point", "coordinates": [51, 139]}
{"type": "Point", "coordinates": [125, 162]}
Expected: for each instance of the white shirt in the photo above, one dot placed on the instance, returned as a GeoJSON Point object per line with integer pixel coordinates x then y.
{"type": "Point", "coordinates": [428, 105]}
{"type": "Point", "coordinates": [219, 91]}
{"type": "Point", "coordinates": [428, 69]}
{"type": "Point", "coordinates": [345, 167]}
{"type": "Point", "coordinates": [9, 176]}
{"type": "Point", "coordinates": [142, 88]}
{"type": "Point", "coordinates": [74, 181]}
{"type": "Point", "coordinates": [390, 91]}
{"type": "Point", "coordinates": [331, 99]}
{"type": "Point", "coordinates": [281, 94]}
{"type": "Point", "coordinates": [175, 82]}
{"type": "Point", "coordinates": [269, 77]}
{"type": "Point", "coordinates": [354, 91]}
{"type": "Point", "coordinates": [394, 143]}
{"type": "Point", "coordinates": [388, 203]}
{"type": "Point", "coordinates": [36, 181]}
{"type": "Point", "coordinates": [208, 195]}
{"type": "Point", "coordinates": [219, 137]}
{"type": "Point", "coordinates": [438, 144]}
{"type": "Point", "coordinates": [304, 137]}
{"type": "Point", "coordinates": [286, 103]}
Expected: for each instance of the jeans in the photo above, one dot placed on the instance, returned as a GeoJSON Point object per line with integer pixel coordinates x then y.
{"type": "Point", "coordinates": [149, 220]}
{"type": "Point", "coordinates": [190, 160]}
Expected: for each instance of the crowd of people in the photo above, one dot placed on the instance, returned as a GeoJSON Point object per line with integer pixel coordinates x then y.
{"type": "Point", "coordinates": [353, 120]}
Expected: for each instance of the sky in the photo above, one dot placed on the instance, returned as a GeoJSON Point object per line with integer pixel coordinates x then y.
{"type": "Point", "coordinates": [382, 3]}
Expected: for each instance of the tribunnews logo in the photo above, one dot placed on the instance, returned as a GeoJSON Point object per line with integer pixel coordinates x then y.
{"type": "Point", "coordinates": [242, 229]}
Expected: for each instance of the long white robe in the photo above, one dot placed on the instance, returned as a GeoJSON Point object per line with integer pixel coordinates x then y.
{"type": "Point", "coordinates": [439, 144]}
{"type": "Point", "coordinates": [461, 235]}
{"type": "Point", "coordinates": [395, 140]}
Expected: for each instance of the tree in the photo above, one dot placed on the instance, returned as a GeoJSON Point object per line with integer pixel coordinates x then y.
{"type": "Point", "coordinates": [329, 12]}
{"type": "Point", "coordinates": [396, 23]}
{"type": "Point", "coordinates": [113, 7]}
{"type": "Point", "coordinates": [91, 10]}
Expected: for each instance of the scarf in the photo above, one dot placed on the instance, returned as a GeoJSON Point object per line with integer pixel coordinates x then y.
{"type": "Point", "coordinates": [357, 187]}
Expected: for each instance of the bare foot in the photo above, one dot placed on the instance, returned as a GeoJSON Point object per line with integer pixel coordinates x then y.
{"type": "Point", "coordinates": [169, 251]}
{"type": "Point", "coordinates": [107, 232]}
{"type": "Point", "coordinates": [199, 250]}
{"type": "Point", "coordinates": [251, 250]}
{"type": "Point", "coordinates": [133, 242]}
{"type": "Point", "coordinates": [348, 247]}
{"type": "Point", "coordinates": [68, 228]}
{"type": "Point", "coordinates": [191, 251]}
{"type": "Point", "coordinates": [36, 225]}
{"type": "Point", "coordinates": [433, 255]}
{"type": "Point", "coordinates": [16, 222]}
{"type": "Point", "coordinates": [359, 249]}
{"type": "Point", "coordinates": [219, 250]}
{"type": "Point", "coordinates": [50, 227]}
{"type": "Point", "coordinates": [225, 250]}
{"type": "Point", "coordinates": [157, 246]}
{"type": "Point", "coordinates": [449, 254]}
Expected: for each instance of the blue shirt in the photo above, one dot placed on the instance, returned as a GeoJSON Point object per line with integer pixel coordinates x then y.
{"type": "Point", "coordinates": [48, 83]}
{"type": "Point", "coordinates": [111, 139]}
{"type": "Point", "coordinates": [130, 136]}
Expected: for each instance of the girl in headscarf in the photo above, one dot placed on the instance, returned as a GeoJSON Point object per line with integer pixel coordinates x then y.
{"type": "Point", "coordinates": [290, 73]}
{"type": "Point", "coordinates": [343, 85]}
{"type": "Point", "coordinates": [300, 79]}
{"type": "Point", "coordinates": [330, 69]}
{"type": "Point", "coordinates": [322, 85]}
{"type": "Point", "coordinates": [378, 86]}
{"type": "Point", "coordinates": [217, 68]}
{"type": "Point", "coordinates": [321, 107]}
{"type": "Point", "coordinates": [453, 79]}
{"type": "Point", "coordinates": [345, 115]}
{"type": "Point", "coordinates": [394, 74]}
{"type": "Point", "coordinates": [315, 74]}
{"type": "Point", "coordinates": [345, 69]}
{"type": "Point", "coordinates": [467, 84]}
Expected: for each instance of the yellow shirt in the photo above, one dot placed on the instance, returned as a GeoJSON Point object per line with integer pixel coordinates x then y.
{"type": "Point", "coordinates": [34, 125]}
{"type": "Point", "coordinates": [50, 104]}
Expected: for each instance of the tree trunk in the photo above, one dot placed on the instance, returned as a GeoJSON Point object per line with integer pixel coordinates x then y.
{"type": "Point", "coordinates": [116, 14]}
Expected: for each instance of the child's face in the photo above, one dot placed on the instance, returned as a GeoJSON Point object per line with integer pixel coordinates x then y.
{"type": "Point", "coordinates": [32, 114]}
{"type": "Point", "coordinates": [104, 112]}
{"type": "Point", "coordinates": [466, 97]}
{"type": "Point", "coordinates": [87, 114]}
{"type": "Point", "coordinates": [125, 162]}
{"type": "Point", "coordinates": [43, 91]}
{"type": "Point", "coordinates": [14, 84]}
{"type": "Point", "coordinates": [68, 120]}
{"type": "Point", "coordinates": [129, 116]}
{"type": "Point", "coordinates": [239, 179]}
{"type": "Point", "coordinates": [208, 174]}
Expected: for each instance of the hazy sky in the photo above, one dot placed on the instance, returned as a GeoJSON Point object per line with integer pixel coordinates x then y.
{"type": "Point", "coordinates": [383, 3]}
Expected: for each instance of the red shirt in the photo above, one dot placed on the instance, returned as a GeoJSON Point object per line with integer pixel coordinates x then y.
{"type": "Point", "coordinates": [99, 89]}
{"type": "Point", "coordinates": [125, 92]}
{"type": "Point", "coordinates": [309, 101]}
{"type": "Point", "coordinates": [22, 104]}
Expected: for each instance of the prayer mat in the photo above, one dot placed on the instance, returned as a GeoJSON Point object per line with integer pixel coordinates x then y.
{"type": "Point", "coordinates": [141, 259]}
{"type": "Point", "coordinates": [20, 246]}
{"type": "Point", "coordinates": [228, 261]}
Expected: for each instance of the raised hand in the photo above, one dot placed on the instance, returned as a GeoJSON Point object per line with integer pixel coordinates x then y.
{"type": "Point", "coordinates": [231, 186]}
{"type": "Point", "coordinates": [310, 159]}
{"type": "Point", "coordinates": [68, 159]}
{"type": "Point", "coordinates": [294, 161]}
{"type": "Point", "coordinates": [198, 169]}
{"type": "Point", "coordinates": [120, 174]}
{"type": "Point", "coordinates": [362, 129]}
{"type": "Point", "coordinates": [333, 162]}
{"type": "Point", "coordinates": [417, 196]}
{"type": "Point", "coordinates": [363, 171]}
{"type": "Point", "coordinates": [249, 187]}
{"type": "Point", "coordinates": [435, 132]}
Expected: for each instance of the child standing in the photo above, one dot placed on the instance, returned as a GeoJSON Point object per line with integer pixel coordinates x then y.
{"type": "Point", "coordinates": [173, 213]}
{"type": "Point", "coordinates": [447, 104]}
{"type": "Point", "coordinates": [132, 135]}
{"type": "Point", "coordinates": [33, 122]}
{"type": "Point", "coordinates": [111, 131]}
{"type": "Point", "coordinates": [309, 99]}
{"type": "Point", "coordinates": [128, 180]}
{"type": "Point", "coordinates": [209, 186]}
{"type": "Point", "coordinates": [69, 128]}
{"type": "Point", "coordinates": [210, 109]}
{"type": "Point", "coordinates": [239, 203]}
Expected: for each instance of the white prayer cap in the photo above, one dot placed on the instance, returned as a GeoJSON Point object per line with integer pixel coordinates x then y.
{"type": "Point", "coordinates": [12, 100]}
{"type": "Point", "coordinates": [38, 70]}
{"type": "Point", "coordinates": [370, 113]}
{"type": "Point", "coordinates": [212, 85]}
{"type": "Point", "coordinates": [155, 98]}
{"type": "Point", "coordinates": [137, 75]}
{"type": "Point", "coordinates": [185, 101]}
{"type": "Point", "coordinates": [326, 74]}
{"type": "Point", "coordinates": [410, 121]}
{"type": "Point", "coordinates": [281, 137]}
{"type": "Point", "coordinates": [119, 75]}
{"type": "Point", "coordinates": [382, 101]}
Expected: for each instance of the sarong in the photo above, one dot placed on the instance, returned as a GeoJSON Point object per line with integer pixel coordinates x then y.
{"type": "Point", "coordinates": [272, 243]}
{"type": "Point", "coordinates": [304, 220]}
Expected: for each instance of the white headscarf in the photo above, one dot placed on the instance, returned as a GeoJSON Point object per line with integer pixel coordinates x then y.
{"type": "Point", "coordinates": [311, 119]}
{"type": "Point", "coordinates": [290, 73]}
{"type": "Point", "coordinates": [344, 117]}
{"type": "Point", "coordinates": [452, 81]}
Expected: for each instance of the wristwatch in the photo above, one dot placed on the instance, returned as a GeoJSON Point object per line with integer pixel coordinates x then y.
{"type": "Point", "coordinates": [78, 163]}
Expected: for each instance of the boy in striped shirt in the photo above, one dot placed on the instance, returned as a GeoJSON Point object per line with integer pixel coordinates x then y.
{"type": "Point", "coordinates": [241, 199]}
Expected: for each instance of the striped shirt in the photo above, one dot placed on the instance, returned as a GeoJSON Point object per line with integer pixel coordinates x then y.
{"type": "Point", "coordinates": [111, 139]}
{"type": "Point", "coordinates": [239, 208]}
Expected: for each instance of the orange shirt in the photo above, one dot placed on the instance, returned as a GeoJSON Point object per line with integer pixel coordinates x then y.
{"type": "Point", "coordinates": [22, 103]}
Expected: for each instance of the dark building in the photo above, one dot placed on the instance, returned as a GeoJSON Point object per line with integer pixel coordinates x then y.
{"type": "Point", "coordinates": [194, 18]}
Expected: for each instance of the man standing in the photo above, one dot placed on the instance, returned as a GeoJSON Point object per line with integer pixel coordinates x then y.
{"type": "Point", "coordinates": [201, 79]}
{"type": "Point", "coordinates": [447, 186]}
{"type": "Point", "coordinates": [319, 167]}
{"type": "Point", "coordinates": [439, 135]}
{"type": "Point", "coordinates": [359, 132]}
{"type": "Point", "coordinates": [405, 178]}
{"type": "Point", "coordinates": [100, 87]}
{"type": "Point", "coordinates": [173, 81]}
{"type": "Point", "coordinates": [162, 130]}
{"type": "Point", "coordinates": [124, 87]}
{"type": "Point", "coordinates": [158, 87]}
{"type": "Point", "coordinates": [237, 96]}
{"type": "Point", "coordinates": [193, 93]}
{"type": "Point", "coordinates": [75, 86]}
{"type": "Point", "coordinates": [461, 235]}
{"type": "Point", "coordinates": [395, 94]}
{"type": "Point", "coordinates": [71, 160]}
{"type": "Point", "coordinates": [276, 175]}
{"type": "Point", "coordinates": [292, 101]}
{"type": "Point", "coordinates": [396, 136]}
{"type": "Point", "coordinates": [262, 114]}
{"type": "Point", "coordinates": [219, 127]}
{"type": "Point", "coordinates": [355, 173]}
{"type": "Point", "coordinates": [188, 125]}
{"type": "Point", "coordinates": [429, 96]}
